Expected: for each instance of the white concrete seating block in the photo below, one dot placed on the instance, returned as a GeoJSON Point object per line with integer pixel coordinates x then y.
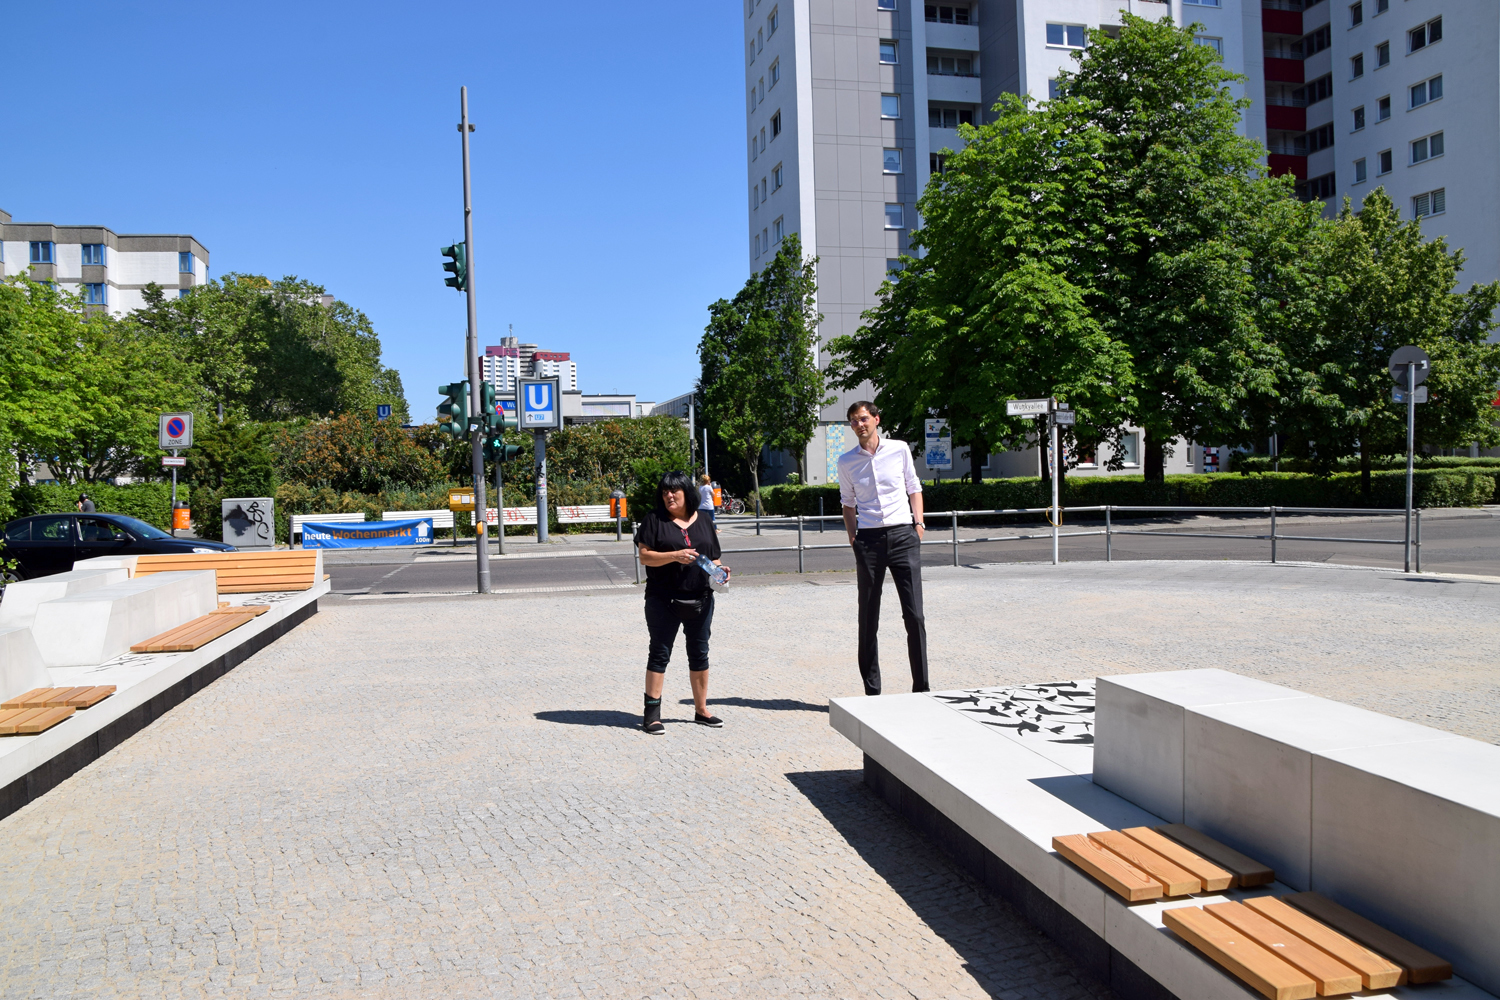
{"type": "Point", "coordinates": [21, 667]}
{"type": "Point", "coordinates": [126, 563]}
{"type": "Point", "coordinates": [18, 608]}
{"type": "Point", "coordinates": [85, 629]}
{"type": "Point", "coordinates": [1408, 834]}
{"type": "Point", "coordinates": [1139, 723]}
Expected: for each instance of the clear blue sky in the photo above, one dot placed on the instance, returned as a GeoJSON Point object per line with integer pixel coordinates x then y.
{"type": "Point", "coordinates": [319, 139]}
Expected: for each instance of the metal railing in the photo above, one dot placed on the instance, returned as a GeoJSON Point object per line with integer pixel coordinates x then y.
{"type": "Point", "coordinates": [1286, 102]}
{"type": "Point", "coordinates": [1055, 531]}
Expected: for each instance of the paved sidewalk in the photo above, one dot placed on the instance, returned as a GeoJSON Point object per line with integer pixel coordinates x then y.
{"type": "Point", "coordinates": [450, 798]}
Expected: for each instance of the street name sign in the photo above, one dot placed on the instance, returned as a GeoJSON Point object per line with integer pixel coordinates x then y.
{"type": "Point", "coordinates": [1065, 418]}
{"type": "Point", "coordinates": [1027, 407]}
{"type": "Point", "coordinates": [1398, 395]}
{"type": "Point", "coordinates": [175, 430]}
{"type": "Point", "coordinates": [168, 462]}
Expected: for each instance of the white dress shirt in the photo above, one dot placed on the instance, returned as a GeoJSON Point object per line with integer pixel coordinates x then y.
{"type": "Point", "coordinates": [877, 485]}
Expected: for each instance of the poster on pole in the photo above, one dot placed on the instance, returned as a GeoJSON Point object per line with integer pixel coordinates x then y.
{"type": "Point", "coordinates": [939, 445]}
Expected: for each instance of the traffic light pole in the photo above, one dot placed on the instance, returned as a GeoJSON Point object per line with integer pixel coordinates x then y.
{"type": "Point", "coordinates": [500, 496]}
{"type": "Point", "coordinates": [476, 393]}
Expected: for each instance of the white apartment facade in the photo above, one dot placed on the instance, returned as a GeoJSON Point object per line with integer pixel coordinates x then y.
{"type": "Point", "coordinates": [110, 271]}
{"type": "Point", "coordinates": [849, 106]}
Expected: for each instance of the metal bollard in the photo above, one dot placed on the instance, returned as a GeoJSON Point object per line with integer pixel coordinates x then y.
{"type": "Point", "coordinates": [801, 567]}
{"type": "Point", "coordinates": [1273, 534]}
{"type": "Point", "coordinates": [955, 538]}
{"type": "Point", "coordinates": [636, 552]}
{"type": "Point", "coordinates": [1419, 539]}
{"type": "Point", "coordinates": [820, 515]}
{"type": "Point", "coordinates": [1109, 538]}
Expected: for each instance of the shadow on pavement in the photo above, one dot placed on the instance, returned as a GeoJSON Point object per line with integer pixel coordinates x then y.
{"type": "Point", "coordinates": [592, 717]}
{"type": "Point", "coordinates": [1005, 954]}
{"type": "Point", "coordinates": [766, 704]}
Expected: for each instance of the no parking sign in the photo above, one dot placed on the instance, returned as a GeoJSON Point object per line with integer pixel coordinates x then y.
{"type": "Point", "coordinates": [175, 430]}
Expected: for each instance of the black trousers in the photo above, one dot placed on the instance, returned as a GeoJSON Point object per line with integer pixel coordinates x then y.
{"type": "Point", "coordinates": [663, 618]}
{"type": "Point", "coordinates": [899, 550]}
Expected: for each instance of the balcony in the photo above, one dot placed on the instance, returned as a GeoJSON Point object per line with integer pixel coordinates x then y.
{"type": "Point", "coordinates": [1284, 70]}
{"type": "Point", "coordinates": [1281, 163]}
{"type": "Point", "coordinates": [1282, 147]}
{"type": "Point", "coordinates": [1296, 5]}
{"type": "Point", "coordinates": [1284, 119]}
{"type": "Point", "coordinates": [963, 37]}
{"type": "Point", "coordinates": [1281, 101]}
{"type": "Point", "coordinates": [1281, 22]}
{"type": "Point", "coordinates": [953, 89]}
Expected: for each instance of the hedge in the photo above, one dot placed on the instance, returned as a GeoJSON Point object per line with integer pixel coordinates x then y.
{"type": "Point", "coordinates": [1264, 463]}
{"type": "Point", "coordinates": [1431, 488]}
{"type": "Point", "coordinates": [151, 502]}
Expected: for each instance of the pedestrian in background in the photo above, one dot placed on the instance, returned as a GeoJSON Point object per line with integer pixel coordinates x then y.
{"type": "Point", "coordinates": [882, 502]}
{"type": "Point", "coordinates": [85, 504]}
{"type": "Point", "coordinates": [706, 498]}
{"type": "Point", "coordinates": [678, 594]}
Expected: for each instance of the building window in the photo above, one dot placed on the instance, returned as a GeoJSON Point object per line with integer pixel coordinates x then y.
{"type": "Point", "coordinates": [776, 72]}
{"type": "Point", "coordinates": [41, 252]}
{"type": "Point", "coordinates": [1130, 453]}
{"type": "Point", "coordinates": [937, 163]}
{"type": "Point", "coordinates": [765, 240]}
{"type": "Point", "coordinates": [888, 52]}
{"type": "Point", "coordinates": [1203, 3]}
{"type": "Point", "coordinates": [1217, 44]}
{"type": "Point", "coordinates": [762, 189]}
{"type": "Point", "coordinates": [778, 229]}
{"type": "Point", "coordinates": [93, 253]}
{"type": "Point", "coordinates": [1382, 109]}
{"type": "Point", "coordinates": [891, 164]}
{"type": "Point", "coordinates": [938, 117]}
{"type": "Point", "coordinates": [1356, 14]}
{"type": "Point", "coordinates": [752, 98]}
{"type": "Point", "coordinates": [1359, 118]}
{"type": "Point", "coordinates": [751, 60]}
{"type": "Point", "coordinates": [775, 124]}
{"type": "Point", "coordinates": [1381, 6]}
{"type": "Point", "coordinates": [1317, 41]}
{"type": "Point", "coordinates": [886, 4]}
{"type": "Point", "coordinates": [1359, 171]}
{"type": "Point", "coordinates": [892, 265]}
{"type": "Point", "coordinates": [890, 105]}
{"type": "Point", "coordinates": [1319, 90]}
{"type": "Point", "coordinates": [1382, 54]}
{"type": "Point", "coordinates": [1317, 189]}
{"type": "Point", "coordinates": [760, 39]}
{"type": "Point", "coordinates": [93, 294]}
{"type": "Point", "coordinates": [1052, 89]}
{"type": "Point", "coordinates": [1427, 90]}
{"type": "Point", "coordinates": [1385, 159]}
{"type": "Point", "coordinates": [1427, 147]}
{"type": "Point", "coordinates": [774, 21]}
{"type": "Point", "coordinates": [763, 139]}
{"type": "Point", "coordinates": [893, 216]}
{"type": "Point", "coordinates": [949, 65]}
{"type": "Point", "coordinates": [775, 178]}
{"type": "Point", "coordinates": [1431, 203]}
{"type": "Point", "coordinates": [754, 196]}
{"type": "Point", "coordinates": [1066, 35]}
{"type": "Point", "coordinates": [1426, 35]}
{"type": "Point", "coordinates": [761, 88]}
{"type": "Point", "coordinates": [757, 244]}
{"type": "Point", "coordinates": [1357, 67]}
{"type": "Point", "coordinates": [1320, 138]}
{"type": "Point", "coordinates": [182, 293]}
{"type": "Point", "coordinates": [184, 263]}
{"type": "Point", "coordinates": [946, 15]}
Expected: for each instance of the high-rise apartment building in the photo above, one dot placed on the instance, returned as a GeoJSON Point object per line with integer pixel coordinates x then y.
{"type": "Point", "coordinates": [558, 365]}
{"type": "Point", "coordinates": [850, 104]}
{"type": "Point", "coordinates": [109, 270]}
{"type": "Point", "coordinates": [502, 364]}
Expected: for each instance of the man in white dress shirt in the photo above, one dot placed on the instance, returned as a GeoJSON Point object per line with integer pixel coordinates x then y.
{"type": "Point", "coordinates": [882, 501]}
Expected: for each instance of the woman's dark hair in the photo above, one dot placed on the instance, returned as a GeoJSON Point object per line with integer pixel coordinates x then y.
{"type": "Point", "coordinates": [674, 481]}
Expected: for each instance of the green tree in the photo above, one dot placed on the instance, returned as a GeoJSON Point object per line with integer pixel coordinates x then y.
{"type": "Point", "coordinates": [39, 404]}
{"type": "Point", "coordinates": [356, 453]}
{"type": "Point", "coordinates": [1385, 286]}
{"type": "Point", "coordinates": [990, 303]}
{"type": "Point", "coordinates": [760, 385]}
{"type": "Point", "coordinates": [233, 455]}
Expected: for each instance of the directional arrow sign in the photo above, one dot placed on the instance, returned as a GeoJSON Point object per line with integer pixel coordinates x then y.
{"type": "Point", "coordinates": [1027, 407]}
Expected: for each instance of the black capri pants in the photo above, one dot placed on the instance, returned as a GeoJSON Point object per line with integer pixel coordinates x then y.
{"type": "Point", "coordinates": [664, 615]}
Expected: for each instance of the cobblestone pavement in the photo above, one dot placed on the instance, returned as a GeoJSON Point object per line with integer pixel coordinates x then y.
{"type": "Point", "coordinates": [448, 798]}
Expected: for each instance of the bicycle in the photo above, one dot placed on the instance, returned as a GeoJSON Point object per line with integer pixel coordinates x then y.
{"type": "Point", "coordinates": [731, 505]}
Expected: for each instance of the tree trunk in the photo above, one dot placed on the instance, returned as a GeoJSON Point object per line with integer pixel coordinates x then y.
{"type": "Point", "coordinates": [1043, 459]}
{"type": "Point", "coordinates": [1154, 459]}
{"type": "Point", "coordinates": [1364, 470]}
{"type": "Point", "coordinates": [978, 452]}
{"type": "Point", "coordinates": [753, 465]}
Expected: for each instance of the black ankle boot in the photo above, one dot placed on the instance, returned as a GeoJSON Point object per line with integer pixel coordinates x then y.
{"type": "Point", "coordinates": [652, 721]}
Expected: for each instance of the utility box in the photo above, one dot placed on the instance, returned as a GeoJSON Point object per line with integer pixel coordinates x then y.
{"type": "Point", "coordinates": [250, 522]}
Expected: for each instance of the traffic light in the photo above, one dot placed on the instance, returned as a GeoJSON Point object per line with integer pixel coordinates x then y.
{"type": "Point", "coordinates": [454, 411]}
{"type": "Point", "coordinates": [496, 450]}
{"type": "Point", "coordinates": [489, 419]}
{"type": "Point", "coordinates": [458, 267]}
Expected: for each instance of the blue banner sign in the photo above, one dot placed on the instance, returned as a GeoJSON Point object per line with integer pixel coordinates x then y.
{"type": "Point", "coordinates": [366, 534]}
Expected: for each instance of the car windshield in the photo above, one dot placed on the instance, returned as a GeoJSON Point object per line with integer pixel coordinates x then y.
{"type": "Point", "coordinates": [140, 527]}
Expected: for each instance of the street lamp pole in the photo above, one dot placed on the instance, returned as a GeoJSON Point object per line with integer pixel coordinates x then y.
{"type": "Point", "coordinates": [476, 389]}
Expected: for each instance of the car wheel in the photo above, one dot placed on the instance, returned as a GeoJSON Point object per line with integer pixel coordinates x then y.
{"type": "Point", "coordinates": [9, 576]}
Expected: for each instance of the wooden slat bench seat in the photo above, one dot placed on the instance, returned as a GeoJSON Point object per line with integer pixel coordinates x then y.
{"type": "Point", "coordinates": [30, 721]}
{"type": "Point", "coordinates": [200, 631]}
{"type": "Point", "coordinates": [1141, 863]}
{"type": "Point", "coordinates": [1246, 871]}
{"type": "Point", "coordinates": [59, 697]}
{"type": "Point", "coordinates": [244, 572]}
{"type": "Point", "coordinates": [1285, 953]}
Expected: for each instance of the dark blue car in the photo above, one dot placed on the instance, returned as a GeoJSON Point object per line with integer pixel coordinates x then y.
{"type": "Point", "coordinates": [44, 544]}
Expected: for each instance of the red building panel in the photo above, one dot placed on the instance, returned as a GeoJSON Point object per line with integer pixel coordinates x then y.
{"type": "Point", "coordinates": [1281, 22]}
{"type": "Point", "coordinates": [1286, 119]}
{"type": "Point", "coordinates": [1280, 163]}
{"type": "Point", "coordinates": [1284, 70]}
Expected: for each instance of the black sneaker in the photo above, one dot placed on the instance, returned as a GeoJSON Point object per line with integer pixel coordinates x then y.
{"type": "Point", "coordinates": [712, 721]}
{"type": "Point", "coordinates": [655, 728]}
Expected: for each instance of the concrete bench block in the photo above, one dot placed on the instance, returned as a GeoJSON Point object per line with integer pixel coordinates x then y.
{"type": "Point", "coordinates": [1140, 721]}
{"type": "Point", "coordinates": [127, 563]}
{"type": "Point", "coordinates": [22, 598]}
{"type": "Point", "coordinates": [1408, 834]}
{"type": "Point", "coordinates": [21, 666]}
{"type": "Point", "coordinates": [89, 628]}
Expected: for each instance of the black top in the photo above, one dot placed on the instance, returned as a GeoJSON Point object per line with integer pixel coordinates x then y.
{"type": "Point", "coordinates": [659, 533]}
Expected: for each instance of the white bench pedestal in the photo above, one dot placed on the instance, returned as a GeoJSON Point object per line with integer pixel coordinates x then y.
{"type": "Point", "coordinates": [21, 667]}
{"type": "Point", "coordinates": [88, 628]}
{"type": "Point", "coordinates": [22, 598]}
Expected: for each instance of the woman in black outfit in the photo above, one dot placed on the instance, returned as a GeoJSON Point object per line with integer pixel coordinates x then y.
{"type": "Point", "coordinates": [677, 594]}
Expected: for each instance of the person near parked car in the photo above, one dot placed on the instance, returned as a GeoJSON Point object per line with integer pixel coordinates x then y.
{"type": "Point", "coordinates": [678, 594]}
{"type": "Point", "coordinates": [706, 498]}
{"type": "Point", "coordinates": [85, 505]}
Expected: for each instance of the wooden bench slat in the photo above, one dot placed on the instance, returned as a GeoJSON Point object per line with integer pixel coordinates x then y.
{"type": "Point", "coordinates": [1375, 972]}
{"type": "Point", "coordinates": [20, 700]}
{"type": "Point", "coordinates": [1255, 966]}
{"type": "Point", "coordinates": [1211, 876]}
{"type": "Point", "coordinates": [93, 696]}
{"type": "Point", "coordinates": [62, 697]}
{"type": "Point", "coordinates": [191, 635]}
{"type": "Point", "coordinates": [1332, 977]}
{"type": "Point", "coordinates": [1123, 878]}
{"type": "Point", "coordinates": [16, 718]}
{"type": "Point", "coordinates": [1418, 964]}
{"type": "Point", "coordinates": [242, 609]}
{"type": "Point", "coordinates": [48, 718]}
{"type": "Point", "coordinates": [1175, 880]}
{"type": "Point", "coordinates": [1247, 871]}
{"type": "Point", "coordinates": [255, 588]}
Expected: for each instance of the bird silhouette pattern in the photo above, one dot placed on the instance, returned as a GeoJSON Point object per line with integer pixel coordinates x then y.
{"type": "Point", "coordinates": [1057, 712]}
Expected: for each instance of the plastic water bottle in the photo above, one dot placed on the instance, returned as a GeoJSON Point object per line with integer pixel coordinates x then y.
{"type": "Point", "coordinates": [718, 576]}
